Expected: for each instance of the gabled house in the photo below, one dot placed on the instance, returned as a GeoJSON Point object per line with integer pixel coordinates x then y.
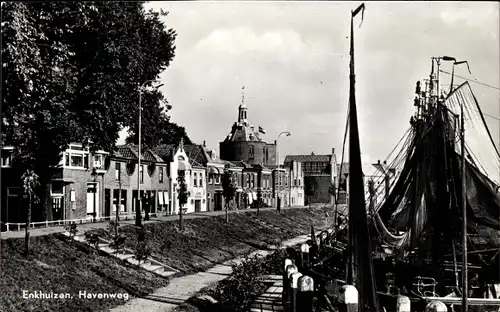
{"type": "Point", "coordinates": [215, 170]}
{"type": "Point", "coordinates": [122, 177]}
{"type": "Point", "coordinates": [237, 170]}
{"type": "Point", "coordinates": [178, 160]}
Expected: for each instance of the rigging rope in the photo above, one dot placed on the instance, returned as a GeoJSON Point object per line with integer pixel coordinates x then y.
{"type": "Point", "coordinates": [471, 80]}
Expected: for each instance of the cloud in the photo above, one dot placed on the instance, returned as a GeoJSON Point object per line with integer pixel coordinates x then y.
{"type": "Point", "coordinates": [292, 58]}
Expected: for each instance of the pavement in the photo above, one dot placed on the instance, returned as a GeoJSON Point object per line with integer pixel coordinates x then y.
{"type": "Point", "coordinates": [104, 224]}
{"type": "Point", "coordinates": [182, 288]}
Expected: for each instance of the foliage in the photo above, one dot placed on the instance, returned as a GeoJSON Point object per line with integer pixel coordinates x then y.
{"type": "Point", "coordinates": [118, 239]}
{"type": "Point", "coordinates": [142, 251]}
{"type": "Point", "coordinates": [92, 239]}
{"type": "Point", "coordinates": [72, 229]}
{"type": "Point", "coordinates": [237, 292]}
{"type": "Point", "coordinates": [228, 186]}
{"type": "Point", "coordinates": [182, 192]}
{"type": "Point", "coordinates": [70, 74]}
{"type": "Point", "coordinates": [158, 129]}
{"type": "Point", "coordinates": [310, 186]}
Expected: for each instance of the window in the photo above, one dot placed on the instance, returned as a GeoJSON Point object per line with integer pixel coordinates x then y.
{"type": "Point", "coordinates": [6, 158]}
{"type": "Point", "coordinates": [141, 173]}
{"type": "Point", "coordinates": [161, 175]}
{"type": "Point", "coordinates": [195, 180]}
{"type": "Point", "coordinates": [201, 180]}
{"type": "Point", "coordinates": [118, 171]}
{"type": "Point", "coordinates": [57, 188]}
{"type": "Point", "coordinates": [76, 157]}
{"type": "Point", "coordinates": [252, 177]}
{"type": "Point", "coordinates": [211, 178]}
{"type": "Point", "coordinates": [217, 179]}
{"type": "Point", "coordinates": [250, 151]}
{"type": "Point", "coordinates": [116, 200]}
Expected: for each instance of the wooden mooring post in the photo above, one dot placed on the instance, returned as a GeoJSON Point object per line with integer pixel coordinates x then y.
{"type": "Point", "coordinates": [290, 269]}
{"type": "Point", "coordinates": [284, 295]}
{"type": "Point", "coordinates": [304, 255]}
{"type": "Point", "coordinates": [293, 288]}
{"type": "Point", "coordinates": [305, 294]}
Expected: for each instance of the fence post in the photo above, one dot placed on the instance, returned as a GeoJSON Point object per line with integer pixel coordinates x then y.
{"type": "Point", "coordinates": [289, 270]}
{"type": "Point", "coordinates": [351, 298]}
{"type": "Point", "coordinates": [436, 306]}
{"type": "Point", "coordinates": [305, 294]}
{"type": "Point", "coordinates": [293, 285]}
{"type": "Point", "coordinates": [403, 304]}
{"type": "Point", "coordinates": [286, 263]}
{"type": "Point", "coordinates": [19, 227]}
{"type": "Point", "coordinates": [304, 255]}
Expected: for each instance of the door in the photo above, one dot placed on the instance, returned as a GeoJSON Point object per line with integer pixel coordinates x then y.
{"type": "Point", "coordinates": [217, 201]}
{"type": "Point", "coordinates": [57, 207]}
{"type": "Point", "coordinates": [197, 205]}
{"type": "Point", "coordinates": [107, 202]}
{"type": "Point", "coordinates": [92, 199]}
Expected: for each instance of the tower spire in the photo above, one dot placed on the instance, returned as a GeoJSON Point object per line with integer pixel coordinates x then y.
{"type": "Point", "coordinates": [243, 95]}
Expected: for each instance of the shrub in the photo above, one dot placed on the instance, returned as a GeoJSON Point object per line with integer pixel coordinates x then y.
{"type": "Point", "coordinates": [142, 251]}
{"type": "Point", "coordinates": [72, 229]}
{"type": "Point", "coordinates": [237, 292]}
{"type": "Point", "coordinates": [92, 239]}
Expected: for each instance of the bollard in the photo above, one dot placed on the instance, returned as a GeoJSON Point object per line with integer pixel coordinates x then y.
{"type": "Point", "coordinates": [403, 304]}
{"type": "Point", "coordinates": [7, 226]}
{"type": "Point", "coordinates": [351, 298]}
{"type": "Point", "coordinates": [305, 294]}
{"type": "Point", "coordinates": [291, 268]}
{"type": "Point", "coordinates": [436, 306]}
{"type": "Point", "coordinates": [304, 255]}
{"type": "Point", "coordinates": [292, 291]}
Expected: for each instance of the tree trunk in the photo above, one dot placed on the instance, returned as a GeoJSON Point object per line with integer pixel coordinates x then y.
{"type": "Point", "coordinates": [118, 206]}
{"type": "Point", "coordinates": [227, 214]}
{"type": "Point", "coordinates": [181, 225]}
{"type": "Point", "coordinates": [27, 235]}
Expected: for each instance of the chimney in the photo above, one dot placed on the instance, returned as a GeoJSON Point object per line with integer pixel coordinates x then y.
{"type": "Point", "coordinates": [204, 145]}
{"type": "Point", "coordinates": [333, 151]}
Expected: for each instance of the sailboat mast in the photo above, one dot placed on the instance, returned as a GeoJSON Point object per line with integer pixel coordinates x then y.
{"type": "Point", "coordinates": [360, 262]}
{"type": "Point", "coordinates": [464, 216]}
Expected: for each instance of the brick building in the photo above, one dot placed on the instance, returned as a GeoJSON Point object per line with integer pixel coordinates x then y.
{"type": "Point", "coordinates": [319, 172]}
{"type": "Point", "coordinates": [245, 143]}
{"type": "Point", "coordinates": [85, 184]}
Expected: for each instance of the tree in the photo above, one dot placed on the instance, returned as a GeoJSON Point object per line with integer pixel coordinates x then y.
{"type": "Point", "coordinates": [332, 190]}
{"type": "Point", "coordinates": [228, 189]}
{"type": "Point", "coordinates": [182, 195]}
{"type": "Point", "coordinates": [157, 129]}
{"type": "Point", "coordinates": [30, 183]}
{"type": "Point", "coordinates": [70, 74]}
{"type": "Point", "coordinates": [309, 188]}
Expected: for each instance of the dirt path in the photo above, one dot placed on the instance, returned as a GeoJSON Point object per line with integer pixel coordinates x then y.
{"type": "Point", "coordinates": [181, 288]}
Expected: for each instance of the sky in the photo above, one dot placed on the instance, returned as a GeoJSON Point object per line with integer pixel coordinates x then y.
{"type": "Point", "coordinates": [293, 59]}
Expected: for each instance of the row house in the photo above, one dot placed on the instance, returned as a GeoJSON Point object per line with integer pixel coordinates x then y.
{"type": "Point", "coordinates": [178, 162]}
{"type": "Point", "coordinates": [296, 195]}
{"type": "Point", "coordinates": [86, 184]}
{"type": "Point", "coordinates": [264, 185]}
{"type": "Point", "coordinates": [281, 188]}
{"type": "Point", "coordinates": [123, 176]}
{"type": "Point", "coordinates": [215, 170]}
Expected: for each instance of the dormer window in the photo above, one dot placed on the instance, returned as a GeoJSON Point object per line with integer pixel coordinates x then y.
{"type": "Point", "coordinates": [7, 157]}
{"type": "Point", "coordinates": [76, 157]}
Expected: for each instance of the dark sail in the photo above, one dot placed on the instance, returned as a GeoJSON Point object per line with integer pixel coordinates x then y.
{"type": "Point", "coordinates": [360, 263]}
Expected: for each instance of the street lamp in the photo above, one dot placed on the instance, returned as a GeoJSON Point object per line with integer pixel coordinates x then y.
{"type": "Point", "coordinates": [94, 180]}
{"type": "Point", "coordinates": [285, 133]}
{"type": "Point", "coordinates": [138, 206]}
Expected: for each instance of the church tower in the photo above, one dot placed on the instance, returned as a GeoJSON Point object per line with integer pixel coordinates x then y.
{"type": "Point", "coordinates": [242, 109]}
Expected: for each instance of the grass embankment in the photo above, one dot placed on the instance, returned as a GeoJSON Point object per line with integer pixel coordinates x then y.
{"type": "Point", "coordinates": [59, 266]}
{"type": "Point", "coordinates": [206, 242]}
